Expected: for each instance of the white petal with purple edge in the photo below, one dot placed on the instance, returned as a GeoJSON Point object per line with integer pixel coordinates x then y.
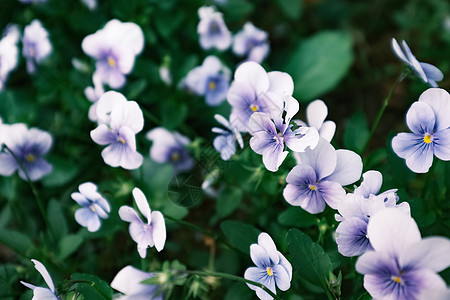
{"type": "Point", "coordinates": [265, 241]}
{"type": "Point", "coordinates": [260, 122]}
{"type": "Point", "coordinates": [102, 135]}
{"type": "Point", "coordinates": [322, 159]}
{"type": "Point", "coordinates": [420, 118]}
{"type": "Point", "coordinates": [259, 256]}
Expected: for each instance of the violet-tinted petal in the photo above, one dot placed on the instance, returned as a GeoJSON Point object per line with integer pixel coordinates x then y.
{"type": "Point", "coordinates": [348, 167]}
{"type": "Point", "coordinates": [43, 294]}
{"type": "Point", "coordinates": [351, 237]}
{"type": "Point", "coordinates": [254, 74]}
{"type": "Point", "coordinates": [439, 101]}
{"type": "Point", "coordinates": [282, 278]}
{"type": "Point", "coordinates": [404, 144]}
{"type": "Point", "coordinates": [316, 112]}
{"type": "Point", "coordinates": [262, 141]}
{"type": "Point", "coordinates": [332, 192]}
{"type": "Point", "coordinates": [87, 218]}
{"type": "Point", "coordinates": [42, 140]}
{"type": "Point", "coordinates": [373, 262]}
{"type": "Point", "coordinates": [414, 63]}
{"type": "Point", "coordinates": [301, 138]}
{"type": "Point", "coordinates": [44, 273]}
{"type": "Point", "coordinates": [398, 51]}
{"type": "Point", "coordinates": [141, 234]}
{"type": "Point", "coordinates": [254, 274]}
{"type": "Point", "coordinates": [128, 280]}
{"type": "Point", "coordinates": [286, 265]}
{"type": "Point", "coordinates": [89, 190]}
{"type": "Point", "coordinates": [441, 144]}
{"type": "Point", "coordinates": [130, 115]}
{"type": "Point", "coordinates": [432, 72]}
{"type": "Point", "coordinates": [420, 118]}
{"type": "Point", "coordinates": [421, 159]}
{"type": "Point", "coordinates": [128, 214]}
{"type": "Point", "coordinates": [80, 199]}
{"type": "Point", "coordinates": [322, 159]}
{"type": "Point", "coordinates": [371, 184]}
{"type": "Point", "coordinates": [281, 83]}
{"type": "Point", "coordinates": [273, 157]}
{"type": "Point", "coordinates": [103, 136]}
{"type": "Point", "coordinates": [159, 230]}
{"type": "Point", "coordinates": [259, 256]}
{"type": "Point", "coordinates": [391, 231]}
{"type": "Point", "coordinates": [99, 210]}
{"type": "Point", "coordinates": [226, 145]}
{"type": "Point", "coordinates": [430, 253]}
{"type": "Point", "coordinates": [36, 169]}
{"type": "Point", "coordinates": [142, 250]}
{"type": "Point", "coordinates": [28, 285]}
{"type": "Point", "coordinates": [353, 206]}
{"type": "Point", "coordinates": [265, 241]}
{"type": "Point", "coordinates": [7, 164]}
{"type": "Point", "coordinates": [261, 122]}
{"type": "Point", "coordinates": [269, 282]}
{"type": "Point", "coordinates": [142, 204]}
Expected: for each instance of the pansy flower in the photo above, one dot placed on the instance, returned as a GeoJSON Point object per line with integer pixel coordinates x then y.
{"type": "Point", "coordinates": [429, 121]}
{"type": "Point", "coordinates": [225, 142]}
{"type": "Point", "coordinates": [145, 234]}
{"type": "Point", "coordinates": [251, 42]}
{"type": "Point", "coordinates": [212, 29]}
{"type": "Point", "coordinates": [114, 47]}
{"type": "Point", "coordinates": [40, 293]}
{"type": "Point", "coordinates": [128, 281]}
{"type": "Point", "coordinates": [94, 206]}
{"type": "Point", "coordinates": [320, 177]}
{"type": "Point", "coordinates": [272, 268]}
{"type": "Point", "coordinates": [8, 53]}
{"type": "Point", "coordinates": [402, 264]}
{"type": "Point", "coordinates": [36, 45]}
{"type": "Point", "coordinates": [427, 72]}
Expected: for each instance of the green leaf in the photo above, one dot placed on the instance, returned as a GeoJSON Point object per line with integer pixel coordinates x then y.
{"type": "Point", "coordinates": [308, 258]}
{"type": "Point", "coordinates": [173, 114]}
{"type": "Point", "coordinates": [92, 287]}
{"type": "Point", "coordinates": [240, 234]}
{"type": "Point", "coordinates": [320, 62]}
{"type": "Point", "coordinates": [239, 291]}
{"type": "Point", "coordinates": [15, 240]}
{"type": "Point", "coordinates": [229, 199]}
{"type": "Point", "coordinates": [68, 245]}
{"type": "Point", "coordinates": [357, 132]}
{"type": "Point", "coordinates": [291, 8]}
{"type": "Point", "coordinates": [63, 171]}
{"type": "Point", "coordinates": [297, 217]}
{"type": "Point", "coordinates": [56, 219]}
{"type": "Point", "coordinates": [401, 174]}
{"type": "Point", "coordinates": [237, 9]}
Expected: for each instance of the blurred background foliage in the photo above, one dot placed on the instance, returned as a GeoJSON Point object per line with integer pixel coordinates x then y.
{"type": "Point", "coordinates": [336, 50]}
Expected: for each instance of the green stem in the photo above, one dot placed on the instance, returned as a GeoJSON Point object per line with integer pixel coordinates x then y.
{"type": "Point", "coordinates": [31, 184]}
{"type": "Point", "coordinates": [383, 108]}
{"type": "Point", "coordinates": [235, 278]}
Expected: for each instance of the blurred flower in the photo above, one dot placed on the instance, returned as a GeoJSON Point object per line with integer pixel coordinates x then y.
{"type": "Point", "coordinates": [320, 177]}
{"type": "Point", "coordinates": [8, 52]}
{"type": "Point", "coordinates": [119, 121]}
{"type": "Point", "coordinates": [402, 265]}
{"type": "Point", "coordinates": [270, 134]}
{"type": "Point", "coordinates": [115, 48]}
{"type": "Point", "coordinates": [254, 90]}
{"type": "Point", "coordinates": [36, 45]}
{"type": "Point", "coordinates": [93, 94]}
{"type": "Point", "coordinates": [152, 233]}
{"type": "Point", "coordinates": [225, 142]}
{"type": "Point", "coordinates": [251, 42]}
{"type": "Point", "coordinates": [212, 29]}
{"type": "Point", "coordinates": [94, 206]}
{"type": "Point", "coordinates": [128, 282]}
{"type": "Point", "coordinates": [40, 293]}
{"type": "Point", "coordinates": [425, 71]}
{"type": "Point", "coordinates": [28, 145]}
{"type": "Point", "coordinates": [170, 148]}
{"type": "Point", "coordinates": [316, 112]}
{"type": "Point", "coordinates": [211, 79]}
{"type": "Point", "coordinates": [429, 120]}
{"type": "Point", "coordinates": [357, 208]}
{"type": "Point", "coordinates": [272, 268]}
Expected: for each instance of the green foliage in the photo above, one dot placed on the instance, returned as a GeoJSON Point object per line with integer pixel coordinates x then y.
{"type": "Point", "coordinates": [357, 132]}
{"type": "Point", "coordinates": [241, 234]}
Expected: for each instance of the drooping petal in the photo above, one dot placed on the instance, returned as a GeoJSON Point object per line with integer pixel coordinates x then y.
{"type": "Point", "coordinates": [420, 118]}
{"type": "Point", "coordinates": [441, 143]}
{"type": "Point", "coordinates": [142, 203]}
{"type": "Point", "coordinates": [348, 167]}
{"type": "Point", "coordinates": [44, 273]}
{"type": "Point", "coordinates": [439, 101]}
{"type": "Point", "coordinates": [322, 159]}
{"type": "Point", "coordinates": [159, 230]}
{"type": "Point", "coordinates": [393, 232]}
{"type": "Point", "coordinates": [265, 241]}
{"type": "Point", "coordinates": [430, 253]}
{"type": "Point", "coordinates": [371, 184]}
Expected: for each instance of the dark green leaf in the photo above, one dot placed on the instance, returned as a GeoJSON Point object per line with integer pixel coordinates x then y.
{"type": "Point", "coordinates": [229, 199]}
{"type": "Point", "coordinates": [298, 217]}
{"type": "Point", "coordinates": [239, 291]}
{"type": "Point", "coordinates": [240, 234]}
{"type": "Point", "coordinates": [15, 240]}
{"type": "Point", "coordinates": [63, 171]}
{"type": "Point", "coordinates": [56, 219]}
{"type": "Point", "coordinates": [291, 8]}
{"type": "Point", "coordinates": [92, 287]}
{"type": "Point", "coordinates": [357, 132]}
{"type": "Point", "coordinates": [68, 245]}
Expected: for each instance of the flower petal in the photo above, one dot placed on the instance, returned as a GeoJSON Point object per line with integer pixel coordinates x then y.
{"type": "Point", "coordinates": [441, 143]}
{"type": "Point", "coordinates": [142, 203]}
{"type": "Point", "coordinates": [351, 237]}
{"type": "Point", "coordinates": [327, 130]}
{"type": "Point", "coordinates": [254, 74]}
{"type": "Point", "coordinates": [371, 184]}
{"type": "Point", "coordinates": [322, 159]}
{"type": "Point", "coordinates": [348, 167]}
{"type": "Point", "coordinates": [159, 230]}
{"type": "Point", "coordinates": [128, 214]}
{"type": "Point", "coordinates": [7, 164]}
{"type": "Point", "coordinates": [281, 83]}
{"type": "Point", "coordinates": [282, 278]}
{"type": "Point", "coordinates": [420, 118]}
{"type": "Point", "coordinates": [273, 157]}
{"type": "Point", "coordinates": [439, 101]}
{"type": "Point", "coordinates": [430, 253]}
{"type": "Point", "coordinates": [80, 199]}
{"type": "Point", "coordinates": [128, 280]}
{"type": "Point", "coordinates": [316, 112]}
{"type": "Point", "coordinates": [259, 256]}
{"type": "Point", "coordinates": [41, 269]}
{"type": "Point", "coordinates": [265, 241]}
{"type": "Point", "coordinates": [103, 136]}
{"type": "Point", "coordinates": [332, 192]}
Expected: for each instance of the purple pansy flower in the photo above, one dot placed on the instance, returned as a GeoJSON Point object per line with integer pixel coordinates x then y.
{"type": "Point", "coordinates": [212, 29]}
{"type": "Point", "coordinates": [429, 120]}
{"type": "Point", "coordinates": [40, 293]}
{"type": "Point", "coordinates": [255, 90]}
{"type": "Point", "coordinates": [251, 42]}
{"type": "Point", "coordinates": [402, 265]}
{"type": "Point", "coordinates": [119, 121]}
{"type": "Point", "coordinates": [320, 177]}
{"type": "Point", "coordinates": [225, 142]}
{"type": "Point", "coordinates": [93, 94]}
{"type": "Point", "coordinates": [28, 145]}
{"type": "Point", "coordinates": [170, 148]}
{"type": "Point", "coordinates": [36, 45]}
{"type": "Point", "coordinates": [152, 233]}
{"type": "Point", "coordinates": [115, 48]}
{"type": "Point", "coordinates": [211, 80]}
{"type": "Point", "coordinates": [128, 281]}
{"type": "Point", "coordinates": [272, 268]}
{"type": "Point", "coordinates": [427, 72]}
{"type": "Point", "coordinates": [8, 53]}
{"type": "Point", "coordinates": [357, 208]}
{"type": "Point", "coordinates": [270, 134]}
{"type": "Point", "coordinates": [94, 206]}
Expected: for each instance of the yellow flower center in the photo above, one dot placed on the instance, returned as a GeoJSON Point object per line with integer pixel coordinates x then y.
{"type": "Point", "coordinates": [30, 158]}
{"type": "Point", "coordinates": [396, 279]}
{"type": "Point", "coordinates": [312, 187]}
{"type": "Point", "coordinates": [175, 156]}
{"type": "Point", "coordinates": [254, 107]}
{"type": "Point", "coordinates": [269, 271]}
{"type": "Point", "coordinates": [212, 85]}
{"type": "Point", "coordinates": [92, 207]}
{"type": "Point", "coordinates": [120, 139]}
{"type": "Point", "coordinates": [111, 61]}
{"type": "Point", "coordinates": [428, 138]}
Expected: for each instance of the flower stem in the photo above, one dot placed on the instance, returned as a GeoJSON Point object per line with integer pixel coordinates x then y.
{"type": "Point", "coordinates": [383, 108]}
{"type": "Point", "coordinates": [235, 278]}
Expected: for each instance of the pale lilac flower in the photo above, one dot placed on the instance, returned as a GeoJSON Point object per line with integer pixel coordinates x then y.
{"type": "Point", "coordinates": [272, 268]}
{"type": "Point", "coordinates": [152, 233]}
{"type": "Point", "coordinates": [128, 282]}
{"type": "Point", "coordinates": [36, 45]}
{"type": "Point", "coordinates": [356, 209]}
{"type": "Point", "coordinates": [251, 42]}
{"type": "Point", "coordinates": [225, 142]}
{"type": "Point", "coordinates": [119, 121]}
{"type": "Point", "coordinates": [40, 293]}
{"type": "Point", "coordinates": [402, 265]}
{"type": "Point", "coordinates": [94, 206]}
{"type": "Point", "coordinates": [435, 294]}
{"type": "Point", "coordinates": [427, 72]}
{"type": "Point", "coordinates": [8, 53]}
{"type": "Point", "coordinates": [320, 177]}
{"type": "Point", "coordinates": [270, 134]}
{"type": "Point", "coordinates": [212, 29]}
{"type": "Point", "coordinates": [211, 80]}
{"type": "Point", "coordinates": [93, 94]}
{"type": "Point", "coordinates": [28, 145]}
{"type": "Point", "coordinates": [429, 120]}
{"type": "Point", "coordinates": [255, 90]}
{"type": "Point", "coordinates": [115, 48]}
{"type": "Point", "coordinates": [170, 148]}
